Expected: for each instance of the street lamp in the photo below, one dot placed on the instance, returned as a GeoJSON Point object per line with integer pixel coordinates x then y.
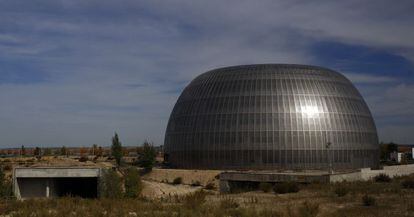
{"type": "Point", "coordinates": [328, 146]}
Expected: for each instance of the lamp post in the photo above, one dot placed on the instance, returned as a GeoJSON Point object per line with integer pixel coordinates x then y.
{"type": "Point", "coordinates": [328, 146]}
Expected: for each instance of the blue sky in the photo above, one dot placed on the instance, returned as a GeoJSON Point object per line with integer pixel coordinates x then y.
{"type": "Point", "coordinates": [73, 72]}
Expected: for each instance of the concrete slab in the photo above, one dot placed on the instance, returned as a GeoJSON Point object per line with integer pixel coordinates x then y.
{"type": "Point", "coordinates": [50, 172]}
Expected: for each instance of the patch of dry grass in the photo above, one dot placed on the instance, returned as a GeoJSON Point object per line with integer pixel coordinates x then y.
{"type": "Point", "coordinates": [391, 199]}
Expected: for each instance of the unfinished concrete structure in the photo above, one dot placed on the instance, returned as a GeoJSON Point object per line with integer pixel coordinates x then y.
{"type": "Point", "coordinates": [246, 179]}
{"type": "Point", "coordinates": [53, 182]}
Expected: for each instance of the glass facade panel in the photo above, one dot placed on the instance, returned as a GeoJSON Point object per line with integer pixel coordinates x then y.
{"type": "Point", "coordinates": [271, 117]}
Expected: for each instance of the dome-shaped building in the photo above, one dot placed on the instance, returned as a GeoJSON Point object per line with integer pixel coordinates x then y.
{"type": "Point", "coordinates": [271, 116]}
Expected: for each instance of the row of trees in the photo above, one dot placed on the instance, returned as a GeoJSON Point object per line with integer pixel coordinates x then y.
{"type": "Point", "coordinates": [146, 153]}
{"type": "Point", "coordinates": [112, 186]}
{"type": "Point", "coordinates": [63, 151]}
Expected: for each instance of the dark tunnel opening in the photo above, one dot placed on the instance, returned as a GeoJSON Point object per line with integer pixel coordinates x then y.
{"type": "Point", "coordinates": [77, 187]}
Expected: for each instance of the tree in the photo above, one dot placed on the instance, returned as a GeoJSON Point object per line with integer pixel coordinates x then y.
{"type": "Point", "coordinates": [63, 151]}
{"type": "Point", "coordinates": [110, 185]}
{"type": "Point", "coordinates": [94, 149]}
{"type": "Point", "coordinates": [82, 152]}
{"type": "Point", "coordinates": [116, 149]}
{"type": "Point", "coordinates": [133, 184]}
{"type": "Point", "coordinates": [22, 151]}
{"type": "Point", "coordinates": [56, 152]}
{"type": "Point", "coordinates": [99, 153]}
{"type": "Point", "coordinates": [47, 152]}
{"type": "Point", "coordinates": [147, 156]}
{"type": "Point", "coordinates": [387, 149]}
{"type": "Point", "coordinates": [37, 152]}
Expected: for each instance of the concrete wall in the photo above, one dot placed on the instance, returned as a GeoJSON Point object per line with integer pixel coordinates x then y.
{"type": "Point", "coordinates": [55, 172]}
{"type": "Point", "coordinates": [188, 176]}
{"type": "Point", "coordinates": [366, 174]}
{"type": "Point", "coordinates": [36, 187]}
{"type": "Point", "coordinates": [41, 182]}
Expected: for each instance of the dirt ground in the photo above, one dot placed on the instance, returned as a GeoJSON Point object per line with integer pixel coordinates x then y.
{"type": "Point", "coordinates": [188, 176]}
{"type": "Point", "coordinates": [153, 189]}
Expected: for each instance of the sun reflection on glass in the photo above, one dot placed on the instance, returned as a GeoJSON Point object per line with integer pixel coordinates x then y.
{"type": "Point", "coordinates": [310, 111]}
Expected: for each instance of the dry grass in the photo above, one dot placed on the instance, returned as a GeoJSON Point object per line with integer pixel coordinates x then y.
{"type": "Point", "coordinates": [204, 177]}
{"type": "Point", "coordinates": [313, 200]}
{"type": "Point", "coordinates": [322, 200]}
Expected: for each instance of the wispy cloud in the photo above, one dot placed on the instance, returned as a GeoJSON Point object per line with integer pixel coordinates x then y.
{"type": "Point", "coordinates": [359, 78]}
{"type": "Point", "coordinates": [120, 65]}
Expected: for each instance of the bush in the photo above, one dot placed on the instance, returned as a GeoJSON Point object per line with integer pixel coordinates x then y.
{"type": "Point", "coordinates": [368, 200]}
{"type": "Point", "coordinates": [286, 187]}
{"type": "Point", "coordinates": [210, 186]}
{"type": "Point", "coordinates": [5, 186]}
{"type": "Point", "coordinates": [265, 187]}
{"type": "Point", "coordinates": [408, 183]}
{"type": "Point", "coordinates": [194, 200]}
{"type": "Point", "coordinates": [309, 209]}
{"type": "Point", "coordinates": [133, 184]}
{"type": "Point", "coordinates": [229, 203]}
{"type": "Point", "coordinates": [177, 181]}
{"type": "Point", "coordinates": [8, 167]}
{"type": "Point", "coordinates": [83, 159]}
{"type": "Point", "coordinates": [341, 190]}
{"type": "Point", "coordinates": [110, 185]}
{"type": "Point", "coordinates": [195, 183]}
{"type": "Point", "coordinates": [382, 178]}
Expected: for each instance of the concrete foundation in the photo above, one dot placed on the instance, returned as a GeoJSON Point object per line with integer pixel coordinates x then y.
{"type": "Point", "coordinates": [251, 178]}
{"type": "Point", "coordinates": [55, 182]}
{"type": "Point", "coordinates": [367, 173]}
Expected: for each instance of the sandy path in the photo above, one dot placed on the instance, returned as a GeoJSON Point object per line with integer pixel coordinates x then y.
{"type": "Point", "coordinates": [156, 189]}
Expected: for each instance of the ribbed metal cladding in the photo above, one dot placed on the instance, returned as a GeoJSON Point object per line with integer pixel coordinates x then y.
{"type": "Point", "coordinates": [271, 116]}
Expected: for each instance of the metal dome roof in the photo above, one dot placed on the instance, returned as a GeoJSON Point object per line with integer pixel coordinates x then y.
{"type": "Point", "coordinates": [271, 116]}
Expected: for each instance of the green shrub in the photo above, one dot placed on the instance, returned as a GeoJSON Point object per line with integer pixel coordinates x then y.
{"type": "Point", "coordinates": [83, 159]}
{"type": "Point", "coordinates": [195, 183]}
{"type": "Point", "coordinates": [368, 200]}
{"type": "Point", "coordinates": [408, 183]}
{"type": "Point", "coordinates": [308, 209]}
{"type": "Point", "coordinates": [133, 184]}
{"type": "Point", "coordinates": [110, 185]}
{"type": "Point", "coordinates": [210, 186]}
{"type": "Point", "coordinates": [8, 167]}
{"type": "Point", "coordinates": [177, 181]}
{"type": "Point", "coordinates": [5, 186]}
{"type": "Point", "coordinates": [265, 187]}
{"type": "Point", "coordinates": [382, 178]}
{"type": "Point", "coordinates": [286, 187]}
{"type": "Point", "coordinates": [341, 190]}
